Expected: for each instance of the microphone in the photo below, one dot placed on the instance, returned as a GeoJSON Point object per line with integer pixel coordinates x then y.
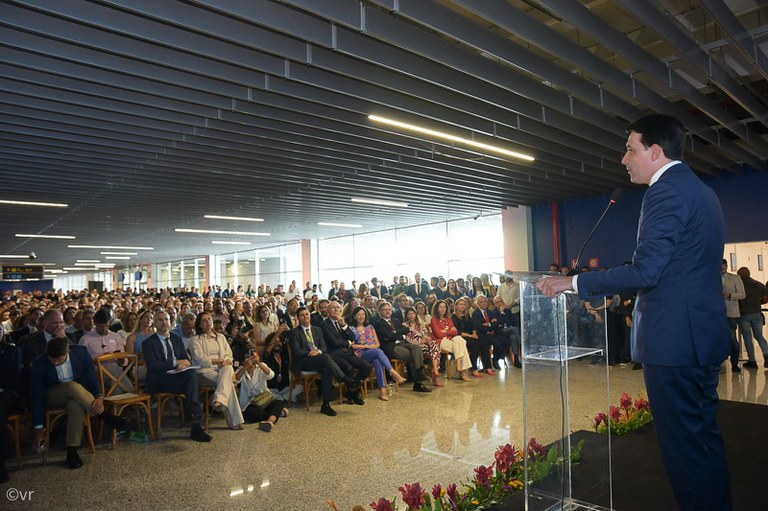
{"type": "Point", "coordinates": [614, 197]}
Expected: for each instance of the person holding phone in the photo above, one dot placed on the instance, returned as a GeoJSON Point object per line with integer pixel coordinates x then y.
{"type": "Point", "coordinates": [257, 402]}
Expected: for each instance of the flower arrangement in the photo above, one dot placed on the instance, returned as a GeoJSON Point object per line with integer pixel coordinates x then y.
{"type": "Point", "coordinates": [625, 418]}
{"type": "Point", "coordinates": [489, 485]}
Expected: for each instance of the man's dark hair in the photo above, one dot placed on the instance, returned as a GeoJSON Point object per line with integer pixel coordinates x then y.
{"type": "Point", "coordinates": [663, 130]}
{"type": "Point", "coordinates": [302, 308]}
{"type": "Point", "coordinates": [57, 347]}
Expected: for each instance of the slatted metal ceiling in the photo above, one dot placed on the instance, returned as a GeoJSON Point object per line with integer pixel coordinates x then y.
{"type": "Point", "coordinates": [145, 115]}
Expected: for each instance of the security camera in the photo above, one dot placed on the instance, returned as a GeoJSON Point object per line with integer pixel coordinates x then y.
{"type": "Point", "coordinates": [32, 256]}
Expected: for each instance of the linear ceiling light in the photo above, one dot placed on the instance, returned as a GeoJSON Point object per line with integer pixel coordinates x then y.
{"type": "Point", "coordinates": [452, 138]}
{"type": "Point", "coordinates": [117, 257]}
{"type": "Point", "coordinates": [380, 202]}
{"type": "Point", "coordinates": [28, 203]}
{"type": "Point", "coordinates": [49, 236]}
{"type": "Point", "coordinates": [14, 256]}
{"type": "Point", "coordinates": [39, 264]}
{"type": "Point", "coordinates": [104, 265]}
{"type": "Point", "coordinates": [120, 253]}
{"type": "Point", "coordinates": [83, 263]}
{"type": "Point", "coordinates": [334, 224]}
{"type": "Point", "coordinates": [110, 247]}
{"type": "Point", "coordinates": [209, 231]}
{"type": "Point", "coordinates": [230, 242]}
{"type": "Point", "coordinates": [88, 260]}
{"type": "Point", "coordinates": [239, 218]}
{"type": "Point", "coordinates": [79, 268]}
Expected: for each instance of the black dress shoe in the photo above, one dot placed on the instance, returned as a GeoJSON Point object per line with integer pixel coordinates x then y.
{"type": "Point", "coordinates": [735, 368]}
{"type": "Point", "coordinates": [73, 459]}
{"type": "Point", "coordinates": [637, 366]}
{"type": "Point", "coordinates": [358, 399]}
{"type": "Point", "coordinates": [199, 435]}
{"type": "Point", "coordinates": [327, 410]}
{"type": "Point", "coordinates": [751, 364]}
{"type": "Point", "coordinates": [420, 387]}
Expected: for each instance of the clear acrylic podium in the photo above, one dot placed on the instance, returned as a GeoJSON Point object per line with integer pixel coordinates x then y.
{"type": "Point", "coordinates": [565, 383]}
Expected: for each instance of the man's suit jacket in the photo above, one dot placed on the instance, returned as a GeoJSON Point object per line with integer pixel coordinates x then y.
{"type": "Point", "coordinates": [418, 296]}
{"type": "Point", "coordinates": [335, 339]}
{"type": "Point", "coordinates": [679, 316]}
{"type": "Point", "coordinates": [389, 334]}
{"type": "Point", "coordinates": [17, 335]}
{"type": "Point", "coordinates": [34, 345]}
{"type": "Point", "coordinates": [154, 357]}
{"type": "Point", "coordinates": [345, 296]}
{"type": "Point", "coordinates": [300, 346]}
{"type": "Point", "coordinates": [379, 292]}
{"type": "Point", "coordinates": [478, 320]}
{"type": "Point", "coordinates": [44, 376]}
{"type": "Point", "coordinates": [10, 367]}
{"type": "Point", "coordinates": [316, 319]}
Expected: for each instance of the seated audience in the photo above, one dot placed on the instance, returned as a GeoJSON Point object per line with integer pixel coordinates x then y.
{"type": "Point", "coordinates": [257, 402]}
{"type": "Point", "coordinates": [448, 338]}
{"type": "Point", "coordinates": [338, 338]}
{"type": "Point", "coordinates": [309, 353]}
{"type": "Point", "coordinates": [419, 336]}
{"type": "Point", "coordinates": [164, 351]}
{"type": "Point", "coordinates": [366, 345]}
{"type": "Point", "coordinates": [65, 377]}
{"type": "Point", "coordinates": [391, 334]}
{"type": "Point", "coordinates": [462, 320]}
{"type": "Point", "coordinates": [211, 352]}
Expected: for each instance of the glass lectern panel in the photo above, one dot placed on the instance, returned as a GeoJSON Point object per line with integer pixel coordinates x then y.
{"type": "Point", "coordinates": [565, 383]}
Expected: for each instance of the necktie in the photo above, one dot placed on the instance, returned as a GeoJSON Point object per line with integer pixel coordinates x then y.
{"type": "Point", "coordinates": [418, 289]}
{"type": "Point", "coordinates": [168, 349]}
{"type": "Point", "coordinates": [389, 321]}
{"type": "Point", "coordinates": [338, 328]}
{"type": "Point", "coordinates": [308, 333]}
{"type": "Point", "coordinates": [485, 316]}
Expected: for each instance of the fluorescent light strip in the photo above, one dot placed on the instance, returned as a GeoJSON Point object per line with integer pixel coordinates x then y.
{"type": "Point", "coordinates": [333, 224]}
{"type": "Point", "coordinates": [39, 264]}
{"type": "Point", "coordinates": [452, 138]}
{"type": "Point", "coordinates": [104, 265]}
{"type": "Point", "coordinates": [231, 242]}
{"type": "Point", "coordinates": [14, 256]}
{"type": "Point", "coordinates": [56, 271]}
{"type": "Point", "coordinates": [238, 218]}
{"type": "Point", "coordinates": [110, 247]}
{"type": "Point", "coordinates": [79, 268]}
{"type": "Point", "coordinates": [47, 236]}
{"type": "Point", "coordinates": [120, 253]}
{"type": "Point", "coordinates": [238, 233]}
{"type": "Point", "coordinates": [92, 263]}
{"type": "Point", "coordinates": [28, 203]}
{"type": "Point", "coordinates": [380, 202]}
{"type": "Point", "coordinates": [88, 260]}
{"type": "Point", "coordinates": [117, 257]}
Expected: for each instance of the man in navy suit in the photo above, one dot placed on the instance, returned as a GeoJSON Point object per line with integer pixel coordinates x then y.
{"type": "Point", "coordinates": [163, 352]}
{"type": "Point", "coordinates": [680, 331]}
{"type": "Point", "coordinates": [65, 376]}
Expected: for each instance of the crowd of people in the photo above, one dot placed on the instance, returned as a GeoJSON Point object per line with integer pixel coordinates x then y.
{"type": "Point", "coordinates": [245, 345]}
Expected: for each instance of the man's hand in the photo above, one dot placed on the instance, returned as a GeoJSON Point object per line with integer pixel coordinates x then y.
{"type": "Point", "coordinates": [98, 405]}
{"type": "Point", "coordinates": [553, 286]}
{"type": "Point", "coordinates": [314, 353]}
{"type": "Point", "coordinates": [182, 363]}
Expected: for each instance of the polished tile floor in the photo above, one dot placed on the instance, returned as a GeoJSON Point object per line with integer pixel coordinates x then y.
{"type": "Point", "coordinates": [363, 453]}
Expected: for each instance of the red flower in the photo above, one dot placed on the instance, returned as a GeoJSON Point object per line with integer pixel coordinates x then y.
{"type": "Point", "coordinates": [615, 413]}
{"type": "Point", "coordinates": [383, 505]}
{"type": "Point", "coordinates": [601, 418]}
{"type": "Point", "coordinates": [626, 401]}
{"type": "Point", "coordinates": [413, 495]}
{"type": "Point", "coordinates": [506, 456]}
{"type": "Point", "coordinates": [436, 491]}
{"type": "Point", "coordinates": [642, 404]}
{"type": "Point", "coordinates": [484, 475]}
{"type": "Point", "coordinates": [535, 448]}
{"type": "Point", "coordinates": [451, 492]}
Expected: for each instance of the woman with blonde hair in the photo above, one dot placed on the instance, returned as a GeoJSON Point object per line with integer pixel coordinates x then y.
{"type": "Point", "coordinates": [141, 331]}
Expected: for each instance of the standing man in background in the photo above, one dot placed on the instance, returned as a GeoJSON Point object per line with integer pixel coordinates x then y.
{"type": "Point", "coordinates": [681, 338]}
